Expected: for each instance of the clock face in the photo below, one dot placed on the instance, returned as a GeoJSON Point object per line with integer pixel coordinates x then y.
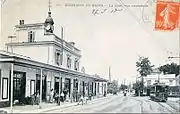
{"type": "Point", "coordinates": [48, 27]}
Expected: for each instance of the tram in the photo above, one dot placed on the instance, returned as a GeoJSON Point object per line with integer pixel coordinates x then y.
{"type": "Point", "coordinates": [159, 92]}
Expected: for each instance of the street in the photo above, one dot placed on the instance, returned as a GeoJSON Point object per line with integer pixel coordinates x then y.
{"type": "Point", "coordinates": [119, 104]}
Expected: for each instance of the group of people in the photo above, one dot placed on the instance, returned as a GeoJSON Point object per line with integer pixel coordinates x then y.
{"type": "Point", "coordinates": [55, 97]}
{"type": "Point", "coordinates": [35, 98]}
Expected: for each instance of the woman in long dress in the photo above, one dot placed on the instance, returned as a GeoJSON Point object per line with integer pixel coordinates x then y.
{"type": "Point", "coordinates": [51, 96]}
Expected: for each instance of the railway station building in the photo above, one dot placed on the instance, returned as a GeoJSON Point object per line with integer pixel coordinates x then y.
{"type": "Point", "coordinates": [38, 59]}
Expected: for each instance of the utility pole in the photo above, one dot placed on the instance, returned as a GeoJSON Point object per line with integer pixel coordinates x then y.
{"type": "Point", "coordinates": [110, 74]}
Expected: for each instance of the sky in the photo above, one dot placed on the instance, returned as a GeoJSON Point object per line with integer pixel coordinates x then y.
{"type": "Point", "coordinates": [108, 39]}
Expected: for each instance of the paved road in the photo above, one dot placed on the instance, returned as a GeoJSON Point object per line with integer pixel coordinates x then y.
{"type": "Point", "coordinates": [119, 104]}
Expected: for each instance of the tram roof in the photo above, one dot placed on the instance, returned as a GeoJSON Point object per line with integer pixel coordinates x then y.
{"type": "Point", "coordinates": [159, 84]}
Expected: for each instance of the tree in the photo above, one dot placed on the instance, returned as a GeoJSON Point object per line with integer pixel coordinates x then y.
{"type": "Point", "coordinates": [172, 68]}
{"type": "Point", "coordinates": [113, 87]}
{"type": "Point", "coordinates": [123, 87]}
{"type": "Point", "coordinates": [136, 87]}
{"type": "Point", "coordinates": [144, 67]}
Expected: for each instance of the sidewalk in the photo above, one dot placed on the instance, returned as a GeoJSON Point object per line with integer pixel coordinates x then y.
{"type": "Point", "coordinates": [45, 107]}
{"type": "Point", "coordinates": [35, 108]}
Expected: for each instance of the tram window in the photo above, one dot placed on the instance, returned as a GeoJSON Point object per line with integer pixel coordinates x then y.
{"type": "Point", "coordinates": [152, 90]}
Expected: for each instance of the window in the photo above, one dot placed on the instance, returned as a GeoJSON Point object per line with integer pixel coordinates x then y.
{"type": "Point", "coordinates": [170, 82]}
{"type": "Point", "coordinates": [148, 82]}
{"type": "Point", "coordinates": [76, 65]}
{"type": "Point", "coordinates": [68, 62]}
{"type": "Point", "coordinates": [19, 85]}
{"type": "Point", "coordinates": [61, 58]}
{"type": "Point", "coordinates": [31, 36]}
{"type": "Point", "coordinates": [32, 87]}
{"type": "Point", "coordinates": [4, 88]}
{"type": "Point", "coordinates": [58, 58]}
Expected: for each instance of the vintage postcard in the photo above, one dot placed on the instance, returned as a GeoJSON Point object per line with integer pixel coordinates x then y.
{"type": "Point", "coordinates": [90, 56]}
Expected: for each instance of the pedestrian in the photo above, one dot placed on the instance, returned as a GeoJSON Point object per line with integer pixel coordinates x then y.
{"type": "Point", "coordinates": [33, 99]}
{"type": "Point", "coordinates": [62, 96]}
{"type": "Point", "coordinates": [51, 96]}
{"type": "Point", "coordinates": [81, 99]}
{"type": "Point", "coordinates": [37, 97]}
{"type": "Point", "coordinates": [56, 97]}
{"type": "Point", "coordinates": [65, 91]}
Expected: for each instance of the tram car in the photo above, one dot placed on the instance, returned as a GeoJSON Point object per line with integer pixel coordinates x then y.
{"type": "Point", "coordinates": [159, 92]}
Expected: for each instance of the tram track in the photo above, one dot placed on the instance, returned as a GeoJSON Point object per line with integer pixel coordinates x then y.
{"type": "Point", "coordinates": [166, 107]}
{"type": "Point", "coordinates": [159, 103]}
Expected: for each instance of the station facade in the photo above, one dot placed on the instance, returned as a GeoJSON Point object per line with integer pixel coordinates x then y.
{"type": "Point", "coordinates": [38, 59]}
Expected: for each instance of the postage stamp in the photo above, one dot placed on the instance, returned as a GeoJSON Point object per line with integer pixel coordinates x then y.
{"type": "Point", "coordinates": [167, 15]}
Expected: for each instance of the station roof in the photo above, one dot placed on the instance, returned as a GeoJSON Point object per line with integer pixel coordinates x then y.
{"type": "Point", "coordinates": [7, 57]}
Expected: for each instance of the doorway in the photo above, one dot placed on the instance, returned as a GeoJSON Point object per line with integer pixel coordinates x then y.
{"type": "Point", "coordinates": [92, 88]}
{"type": "Point", "coordinates": [19, 86]}
{"type": "Point", "coordinates": [95, 89]}
{"type": "Point", "coordinates": [56, 85]}
{"type": "Point", "coordinates": [75, 90]}
{"type": "Point", "coordinates": [83, 84]}
{"type": "Point", "coordinates": [68, 85]}
{"type": "Point", "coordinates": [44, 83]}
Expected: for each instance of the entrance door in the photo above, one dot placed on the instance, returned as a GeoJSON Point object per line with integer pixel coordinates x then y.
{"type": "Point", "coordinates": [83, 88]}
{"type": "Point", "coordinates": [44, 88]}
{"type": "Point", "coordinates": [56, 85]}
{"type": "Point", "coordinates": [88, 88]}
{"type": "Point", "coordinates": [44, 83]}
{"type": "Point", "coordinates": [95, 89]}
{"type": "Point", "coordinates": [92, 90]}
{"type": "Point", "coordinates": [75, 90]}
{"type": "Point", "coordinates": [19, 86]}
{"type": "Point", "coordinates": [68, 85]}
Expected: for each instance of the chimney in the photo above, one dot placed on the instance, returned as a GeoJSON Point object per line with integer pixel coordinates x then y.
{"type": "Point", "coordinates": [21, 22]}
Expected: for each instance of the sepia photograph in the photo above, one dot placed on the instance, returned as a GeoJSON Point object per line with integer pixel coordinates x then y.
{"type": "Point", "coordinates": [90, 56]}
